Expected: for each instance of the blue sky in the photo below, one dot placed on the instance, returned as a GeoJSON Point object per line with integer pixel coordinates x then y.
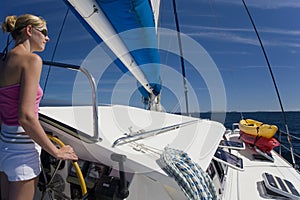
{"type": "Point", "coordinates": [222, 28]}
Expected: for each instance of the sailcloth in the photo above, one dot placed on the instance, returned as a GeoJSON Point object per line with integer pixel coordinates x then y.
{"type": "Point", "coordinates": [136, 51]}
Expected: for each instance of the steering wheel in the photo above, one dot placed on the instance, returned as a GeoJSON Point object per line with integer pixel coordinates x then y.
{"type": "Point", "coordinates": [75, 165]}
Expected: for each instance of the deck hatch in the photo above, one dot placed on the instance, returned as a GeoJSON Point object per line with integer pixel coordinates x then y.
{"type": "Point", "coordinates": [280, 186]}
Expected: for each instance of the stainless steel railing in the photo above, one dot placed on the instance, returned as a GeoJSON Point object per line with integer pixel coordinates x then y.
{"type": "Point", "coordinates": [132, 137]}
{"type": "Point", "coordinates": [292, 138]}
{"type": "Point", "coordinates": [95, 137]}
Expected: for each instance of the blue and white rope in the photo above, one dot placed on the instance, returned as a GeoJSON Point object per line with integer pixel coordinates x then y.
{"type": "Point", "coordinates": [193, 181]}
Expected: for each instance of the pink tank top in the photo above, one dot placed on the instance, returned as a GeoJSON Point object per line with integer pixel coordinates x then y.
{"type": "Point", "coordinates": [9, 104]}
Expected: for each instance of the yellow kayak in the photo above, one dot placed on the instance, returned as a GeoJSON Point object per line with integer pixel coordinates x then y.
{"type": "Point", "coordinates": [256, 128]}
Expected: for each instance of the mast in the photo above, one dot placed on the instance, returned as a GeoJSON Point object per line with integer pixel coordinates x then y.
{"type": "Point", "coordinates": [181, 58]}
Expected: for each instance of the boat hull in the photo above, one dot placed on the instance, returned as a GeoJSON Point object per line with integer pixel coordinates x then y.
{"type": "Point", "coordinates": [256, 128]}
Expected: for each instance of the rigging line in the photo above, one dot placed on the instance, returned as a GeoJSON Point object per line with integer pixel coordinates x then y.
{"type": "Point", "coordinates": [181, 57]}
{"type": "Point", "coordinates": [5, 50]}
{"type": "Point", "coordinates": [55, 47]}
{"type": "Point", "coordinates": [274, 83]}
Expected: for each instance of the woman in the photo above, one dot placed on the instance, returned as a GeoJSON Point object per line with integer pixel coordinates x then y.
{"type": "Point", "coordinates": [22, 136]}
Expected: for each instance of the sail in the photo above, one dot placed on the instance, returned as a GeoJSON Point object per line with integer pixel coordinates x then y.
{"type": "Point", "coordinates": [108, 20]}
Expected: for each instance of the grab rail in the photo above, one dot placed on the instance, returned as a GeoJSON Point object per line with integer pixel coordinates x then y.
{"type": "Point", "coordinates": [132, 137]}
{"type": "Point", "coordinates": [91, 79]}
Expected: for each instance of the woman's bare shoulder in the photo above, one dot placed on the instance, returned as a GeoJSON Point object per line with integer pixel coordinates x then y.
{"type": "Point", "coordinates": [30, 60]}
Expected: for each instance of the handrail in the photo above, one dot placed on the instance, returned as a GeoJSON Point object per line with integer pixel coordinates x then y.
{"type": "Point", "coordinates": [91, 79]}
{"type": "Point", "coordinates": [132, 137]}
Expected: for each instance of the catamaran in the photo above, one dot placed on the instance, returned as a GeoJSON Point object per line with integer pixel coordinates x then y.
{"type": "Point", "coordinates": [132, 153]}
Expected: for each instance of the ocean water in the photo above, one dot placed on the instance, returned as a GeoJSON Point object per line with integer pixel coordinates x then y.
{"type": "Point", "coordinates": [276, 118]}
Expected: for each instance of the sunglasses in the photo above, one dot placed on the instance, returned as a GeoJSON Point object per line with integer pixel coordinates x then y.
{"type": "Point", "coordinates": [43, 31]}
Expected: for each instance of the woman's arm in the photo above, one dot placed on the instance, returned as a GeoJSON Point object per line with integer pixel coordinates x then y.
{"type": "Point", "coordinates": [30, 76]}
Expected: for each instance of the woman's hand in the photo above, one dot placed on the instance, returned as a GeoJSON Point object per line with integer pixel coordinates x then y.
{"type": "Point", "coordinates": [66, 153]}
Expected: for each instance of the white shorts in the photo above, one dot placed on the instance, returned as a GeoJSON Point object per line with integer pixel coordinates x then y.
{"type": "Point", "coordinates": [19, 154]}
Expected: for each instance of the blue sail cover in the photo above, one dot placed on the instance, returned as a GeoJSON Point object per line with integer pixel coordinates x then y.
{"type": "Point", "coordinates": [136, 18]}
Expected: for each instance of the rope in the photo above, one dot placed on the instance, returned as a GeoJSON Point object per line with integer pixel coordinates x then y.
{"type": "Point", "coordinates": [193, 181]}
{"type": "Point", "coordinates": [55, 47]}
{"type": "Point", "coordinates": [181, 57]}
{"type": "Point", "coordinates": [146, 149]}
{"type": "Point", "coordinates": [5, 50]}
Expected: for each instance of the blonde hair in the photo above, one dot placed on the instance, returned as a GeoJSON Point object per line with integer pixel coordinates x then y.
{"type": "Point", "coordinates": [14, 24]}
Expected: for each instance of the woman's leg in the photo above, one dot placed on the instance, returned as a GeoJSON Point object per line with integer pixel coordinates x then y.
{"type": "Point", "coordinates": [4, 186]}
{"type": "Point", "coordinates": [22, 190]}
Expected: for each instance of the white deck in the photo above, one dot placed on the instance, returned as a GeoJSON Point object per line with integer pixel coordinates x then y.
{"type": "Point", "coordinates": [199, 139]}
{"type": "Point", "coordinates": [243, 185]}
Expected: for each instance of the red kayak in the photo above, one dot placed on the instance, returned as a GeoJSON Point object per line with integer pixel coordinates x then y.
{"type": "Point", "coordinates": [264, 144]}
